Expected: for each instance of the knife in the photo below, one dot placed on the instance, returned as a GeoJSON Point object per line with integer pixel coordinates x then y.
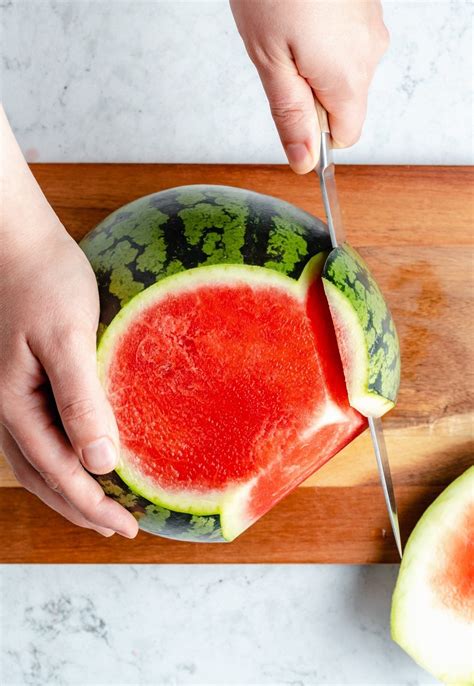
{"type": "Point", "coordinates": [326, 172]}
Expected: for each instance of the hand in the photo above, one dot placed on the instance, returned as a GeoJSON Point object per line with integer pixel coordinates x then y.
{"type": "Point", "coordinates": [54, 416]}
{"type": "Point", "coordinates": [306, 49]}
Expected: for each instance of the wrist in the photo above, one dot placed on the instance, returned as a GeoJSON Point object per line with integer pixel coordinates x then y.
{"type": "Point", "coordinates": [26, 223]}
{"type": "Point", "coordinates": [26, 218]}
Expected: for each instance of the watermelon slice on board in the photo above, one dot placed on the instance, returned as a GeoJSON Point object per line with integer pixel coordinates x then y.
{"type": "Point", "coordinates": [219, 356]}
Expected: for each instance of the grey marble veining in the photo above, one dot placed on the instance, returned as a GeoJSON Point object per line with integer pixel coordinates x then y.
{"type": "Point", "coordinates": [169, 81]}
{"type": "Point", "coordinates": [164, 625]}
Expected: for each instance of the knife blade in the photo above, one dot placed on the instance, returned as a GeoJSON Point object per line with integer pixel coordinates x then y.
{"type": "Point", "coordinates": [380, 449]}
{"type": "Point", "coordinates": [325, 170]}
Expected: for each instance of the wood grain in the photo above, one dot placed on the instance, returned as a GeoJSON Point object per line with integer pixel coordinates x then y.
{"type": "Point", "coordinates": [414, 227]}
{"type": "Point", "coordinates": [381, 205]}
{"type": "Point", "coordinates": [344, 525]}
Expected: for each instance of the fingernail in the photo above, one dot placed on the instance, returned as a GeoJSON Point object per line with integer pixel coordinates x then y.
{"type": "Point", "coordinates": [298, 157]}
{"type": "Point", "coordinates": [338, 144]}
{"type": "Point", "coordinates": [100, 456]}
{"type": "Point", "coordinates": [105, 532]}
{"type": "Point", "coordinates": [126, 534]}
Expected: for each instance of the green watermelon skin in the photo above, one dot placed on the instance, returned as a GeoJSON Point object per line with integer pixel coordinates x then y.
{"type": "Point", "coordinates": [160, 520]}
{"type": "Point", "coordinates": [193, 226]}
{"type": "Point", "coordinates": [346, 270]}
{"type": "Point", "coordinates": [178, 229]}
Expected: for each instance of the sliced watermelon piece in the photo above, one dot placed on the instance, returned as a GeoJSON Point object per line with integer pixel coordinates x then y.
{"type": "Point", "coordinates": [433, 602]}
{"type": "Point", "coordinates": [366, 334]}
{"type": "Point", "coordinates": [228, 392]}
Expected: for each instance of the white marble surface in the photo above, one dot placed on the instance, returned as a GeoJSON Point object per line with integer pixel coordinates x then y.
{"type": "Point", "coordinates": [144, 80]}
{"type": "Point", "coordinates": [157, 625]}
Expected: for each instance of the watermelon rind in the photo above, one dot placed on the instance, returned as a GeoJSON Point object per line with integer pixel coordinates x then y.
{"type": "Point", "coordinates": [438, 638]}
{"type": "Point", "coordinates": [230, 504]}
{"type": "Point", "coordinates": [159, 520]}
{"type": "Point", "coordinates": [352, 346]}
{"type": "Point", "coordinates": [365, 330]}
{"type": "Point", "coordinates": [181, 228]}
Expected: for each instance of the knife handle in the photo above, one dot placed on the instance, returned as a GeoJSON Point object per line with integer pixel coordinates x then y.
{"type": "Point", "coordinates": [322, 117]}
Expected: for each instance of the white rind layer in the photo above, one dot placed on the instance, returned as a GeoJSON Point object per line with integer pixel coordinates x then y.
{"type": "Point", "coordinates": [354, 354]}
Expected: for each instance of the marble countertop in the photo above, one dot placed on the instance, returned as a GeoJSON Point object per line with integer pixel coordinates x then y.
{"type": "Point", "coordinates": [151, 81]}
{"type": "Point", "coordinates": [155, 625]}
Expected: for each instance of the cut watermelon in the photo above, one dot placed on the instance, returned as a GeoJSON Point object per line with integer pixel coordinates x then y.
{"type": "Point", "coordinates": [366, 333]}
{"type": "Point", "coordinates": [433, 602]}
{"type": "Point", "coordinates": [219, 357]}
{"type": "Point", "coordinates": [225, 395]}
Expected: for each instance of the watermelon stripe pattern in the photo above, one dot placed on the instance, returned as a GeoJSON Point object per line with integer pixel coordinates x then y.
{"type": "Point", "coordinates": [162, 521]}
{"type": "Point", "coordinates": [193, 226]}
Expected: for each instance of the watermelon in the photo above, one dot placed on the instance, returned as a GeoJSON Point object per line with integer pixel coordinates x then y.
{"type": "Point", "coordinates": [218, 354]}
{"type": "Point", "coordinates": [433, 602]}
{"type": "Point", "coordinates": [365, 330]}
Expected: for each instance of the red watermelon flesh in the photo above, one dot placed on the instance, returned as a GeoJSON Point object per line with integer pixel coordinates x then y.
{"type": "Point", "coordinates": [228, 390]}
{"type": "Point", "coordinates": [453, 581]}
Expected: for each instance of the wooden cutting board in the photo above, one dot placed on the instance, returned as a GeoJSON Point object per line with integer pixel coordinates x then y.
{"type": "Point", "coordinates": [414, 225]}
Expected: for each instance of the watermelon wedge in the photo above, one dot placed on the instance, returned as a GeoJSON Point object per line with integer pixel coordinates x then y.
{"type": "Point", "coordinates": [433, 602]}
{"type": "Point", "coordinates": [365, 330]}
{"type": "Point", "coordinates": [219, 357]}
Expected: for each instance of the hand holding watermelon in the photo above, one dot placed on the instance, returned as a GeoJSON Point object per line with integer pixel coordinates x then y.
{"type": "Point", "coordinates": [47, 348]}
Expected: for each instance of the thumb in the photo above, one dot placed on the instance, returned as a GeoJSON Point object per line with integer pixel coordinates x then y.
{"type": "Point", "coordinates": [85, 412]}
{"type": "Point", "coordinates": [294, 113]}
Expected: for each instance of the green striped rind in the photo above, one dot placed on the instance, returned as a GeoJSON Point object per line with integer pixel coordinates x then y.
{"type": "Point", "coordinates": [365, 325]}
{"type": "Point", "coordinates": [432, 634]}
{"type": "Point", "coordinates": [160, 520]}
{"type": "Point", "coordinates": [192, 226]}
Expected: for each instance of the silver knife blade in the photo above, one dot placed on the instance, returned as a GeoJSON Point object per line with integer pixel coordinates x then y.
{"type": "Point", "coordinates": [380, 449]}
{"type": "Point", "coordinates": [325, 170]}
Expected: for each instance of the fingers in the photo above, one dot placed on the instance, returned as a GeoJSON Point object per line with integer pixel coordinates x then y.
{"type": "Point", "coordinates": [85, 412]}
{"type": "Point", "coordinates": [46, 448]}
{"type": "Point", "coordinates": [291, 99]}
{"type": "Point", "coordinates": [345, 101]}
{"type": "Point", "coordinates": [30, 479]}
{"type": "Point", "coordinates": [342, 89]}
{"type": "Point", "coordinates": [292, 106]}
{"type": "Point", "coordinates": [327, 50]}
{"type": "Point", "coordinates": [346, 113]}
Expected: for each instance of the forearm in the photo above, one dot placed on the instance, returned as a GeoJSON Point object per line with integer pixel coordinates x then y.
{"type": "Point", "coordinates": [26, 216]}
